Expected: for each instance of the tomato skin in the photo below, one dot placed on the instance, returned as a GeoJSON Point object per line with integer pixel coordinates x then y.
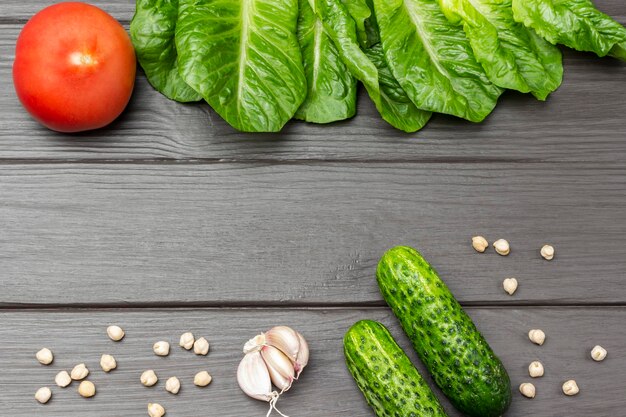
{"type": "Point", "coordinates": [74, 67]}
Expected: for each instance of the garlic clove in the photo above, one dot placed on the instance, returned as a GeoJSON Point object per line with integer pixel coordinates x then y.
{"type": "Point", "coordinates": [254, 378]}
{"type": "Point", "coordinates": [279, 366]}
{"type": "Point", "coordinates": [303, 356]}
{"type": "Point", "coordinates": [285, 339]}
{"type": "Point", "coordinates": [283, 383]}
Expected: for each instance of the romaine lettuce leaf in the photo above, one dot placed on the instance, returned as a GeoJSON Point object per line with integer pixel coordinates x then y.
{"type": "Point", "coordinates": [573, 23]}
{"type": "Point", "coordinates": [512, 55]}
{"type": "Point", "coordinates": [244, 58]}
{"type": "Point", "coordinates": [331, 87]}
{"type": "Point", "coordinates": [360, 12]}
{"type": "Point", "coordinates": [402, 114]}
{"type": "Point", "coordinates": [433, 60]}
{"type": "Point", "coordinates": [152, 33]}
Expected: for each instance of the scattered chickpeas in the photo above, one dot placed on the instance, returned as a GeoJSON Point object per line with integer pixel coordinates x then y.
{"type": "Point", "coordinates": [156, 410]}
{"type": "Point", "coordinates": [598, 353]}
{"type": "Point", "coordinates": [172, 385]}
{"type": "Point", "coordinates": [43, 395]}
{"type": "Point", "coordinates": [149, 378]}
{"type": "Point", "coordinates": [79, 372]}
{"type": "Point", "coordinates": [63, 379]}
{"type": "Point", "coordinates": [108, 363]}
{"type": "Point", "coordinates": [547, 251]}
{"type": "Point", "coordinates": [570, 388]}
{"type": "Point", "coordinates": [115, 333]}
{"type": "Point", "coordinates": [537, 336]}
{"type": "Point", "coordinates": [187, 340]}
{"type": "Point", "coordinates": [502, 247]}
{"type": "Point", "coordinates": [480, 244]}
{"type": "Point", "coordinates": [161, 348]}
{"type": "Point", "coordinates": [45, 356]}
{"type": "Point", "coordinates": [527, 389]}
{"type": "Point", "coordinates": [535, 369]}
{"type": "Point", "coordinates": [202, 379]}
{"type": "Point", "coordinates": [510, 285]}
{"type": "Point", "coordinates": [201, 346]}
{"type": "Point", "coordinates": [87, 389]}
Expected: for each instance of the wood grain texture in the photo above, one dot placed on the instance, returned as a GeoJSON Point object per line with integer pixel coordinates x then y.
{"type": "Point", "coordinates": [582, 121]}
{"type": "Point", "coordinates": [311, 233]}
{"type": "Point", "coordinates": [124, 9]}
{"type": "Point", "coordinates": [325, 389]}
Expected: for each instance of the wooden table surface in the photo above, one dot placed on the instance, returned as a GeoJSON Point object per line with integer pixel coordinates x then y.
{"type": "Point", "coordinates": [169, 221]}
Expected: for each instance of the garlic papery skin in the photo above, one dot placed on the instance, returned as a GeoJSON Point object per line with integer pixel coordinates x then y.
{"type": "Point", "coordinates": [254, 378]}
{"type": "Point", "coordinates": [285, 339]}
{"type": "Point", "coordinates": [303, 356]}
{"type": "Point", "coordinates": [255, 344]}
{"type": "Point", "coordinates": [279, 366]}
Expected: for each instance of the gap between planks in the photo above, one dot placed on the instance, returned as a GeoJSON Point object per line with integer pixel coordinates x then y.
{"type": "Point", "coordinates": [78, 307]}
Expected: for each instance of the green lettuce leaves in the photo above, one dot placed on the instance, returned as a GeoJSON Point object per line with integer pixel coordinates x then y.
{"type": "Point", "coordinates": [573, 23]}
{"type": "Point", "coordinates": [512, 55]}
{"type": "Point", "coordinates": [432, 59]}
{"type": "Point", "coordinates": [260, 63]}
{"type": "Point", "coordinates": [402, 114]}
{"type": "Point", "coordinates": [152, 33]}
{"type": "Point", "coordinates": [331, 93]}
{"type": "Point", "coordinates": [244, 58]}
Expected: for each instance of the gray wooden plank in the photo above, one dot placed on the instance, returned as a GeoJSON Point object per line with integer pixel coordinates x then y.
{"type": "Point", "coordinates": [310, 233]}
{"type": "Point", "coordinates": [123, 9]}
{"type": "Point", "coordinates": [16, 10]}
{"type": "Point", "coordinates": [581, 122]}
{"type": "Point", "coordinates": [325, 389]}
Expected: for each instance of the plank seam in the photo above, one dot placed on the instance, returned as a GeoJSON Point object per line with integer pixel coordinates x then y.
{"type": "Point", "coordinates": [236, 305]}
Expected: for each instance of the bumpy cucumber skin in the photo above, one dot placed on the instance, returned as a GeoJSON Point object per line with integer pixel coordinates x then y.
{"type": "Point", "coordinates": [443, 335]}
{"type": "Point", "coordinates": [385, 375]}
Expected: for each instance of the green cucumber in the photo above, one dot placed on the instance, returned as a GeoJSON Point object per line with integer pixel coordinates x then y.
{"type": "Point", "coordinates": [443, 335]}
{"type": "Point", "coordinates": [385, 375]}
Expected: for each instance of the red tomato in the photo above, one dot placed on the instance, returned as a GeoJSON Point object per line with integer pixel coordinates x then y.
{"type": "Point", "coordinates": [74, 67]}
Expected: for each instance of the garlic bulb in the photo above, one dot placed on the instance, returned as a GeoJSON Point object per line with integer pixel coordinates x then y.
{"type": "Point", "coordinates": [277, 356]}
{"type": "Point", "coordinates": [285, 339]}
